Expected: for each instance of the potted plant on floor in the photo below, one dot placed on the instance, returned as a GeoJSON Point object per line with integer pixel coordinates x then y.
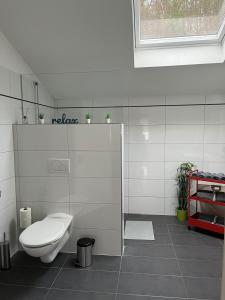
{"type": "Point", "coordinates": [182, 190]}
{"type": "Point", "coordinates": [88, 118]}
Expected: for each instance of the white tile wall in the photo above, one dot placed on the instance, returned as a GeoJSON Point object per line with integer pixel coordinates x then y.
{"type": "Point", "coordinates": [158, 139]}
{"type": "Point", "coordinates": [91, 192]}
{"type": "Point", "coordinates": [10, 113]}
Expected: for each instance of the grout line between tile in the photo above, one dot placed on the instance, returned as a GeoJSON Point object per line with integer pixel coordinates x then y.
{"type": "Point", "coordinates": [185, 288]}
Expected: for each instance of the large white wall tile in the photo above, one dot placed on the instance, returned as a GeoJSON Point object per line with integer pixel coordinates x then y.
{"type": "Point", "coordinates": [126, 205]}
{"type": "Point", "coordinates": [214, 153]}
{"type": "Point", "coordinates": [170, 206]}
{"type": "Point", "coordinates": [146, 170]}
{"type": "Point", "coordinates": [171, 188]}
{"type": "Point", "coordinates": [185, 99]}
{"type": "Point", "coordinates": [214, 167]}
{"type": "Point", "coordinates": [146, 205]}
{"type": "Point", "coordinates": [35, 163]}
{"type": "Point", "coordinates": [8, 196]}
{"type": "Point", "coordinates": [6, 138]}
{"type": "Point", "coordinates": [95, 164]}
{"type": "Point", "coordinates": [8, 224]}
{"type": "Point", "coordinates": [185, 115]}
{"type": "Point", "coordinates": [44, 189]}
{"type": "Point", "coordinates": [40, 210]}
{"type": "Point", "coordinates": [10, 111]}
{"type": "Point", "coordinates": [94, 137]}
{"type": "Point", "coordinates": [214, 114]}
{"type": "Point", "coordinates": [95, 190]}
{"type": "Point", "coordinates": [151, 100]}
{"type": "Point", "coordinates": [214, 134]}
{"type": "Point", "coordinates": [219, 98]}
{"type": "Point", "coordinates": [146, 115]}
{"type": "Point", "coordinates": [184, 152]}
{"type": "Point", "coordinates": [94, 215]}
{"type": "Point", "coordinates": [6, 165]}
{"type": "Point", "coordinates": [146, 152]}
{"type": "Point", "coordinates": [184, 134]}
{"type": "Point", "coordinates": [144, 188]}
{"type": "Point", "coordinates": [107, 242]}
{"type": "Point", "coordinates": [147, 134]}
{"type": "Point", "coordinates": [42, 137]}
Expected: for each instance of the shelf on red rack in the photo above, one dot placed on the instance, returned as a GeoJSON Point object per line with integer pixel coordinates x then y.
{"type": "Point", "coordinates": [196, 222]}
{"type": "Point", "coordinates": [205, 200]}
{"type": "Point", "coordinates": [206, 179]}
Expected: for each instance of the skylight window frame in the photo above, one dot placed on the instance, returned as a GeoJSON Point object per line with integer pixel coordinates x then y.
{"type": "Point", "coordinates": [195, 40]}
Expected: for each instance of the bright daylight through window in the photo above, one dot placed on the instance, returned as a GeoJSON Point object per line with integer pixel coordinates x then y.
{"type": "Point", "coordinates": [183, 23]}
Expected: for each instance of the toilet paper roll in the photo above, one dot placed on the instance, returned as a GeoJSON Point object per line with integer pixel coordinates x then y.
{"type": "Point", "coordinates": [25, 217]}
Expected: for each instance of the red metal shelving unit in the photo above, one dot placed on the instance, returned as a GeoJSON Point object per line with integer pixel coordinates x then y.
{"type": "Point", "coordinates": [193, 219]}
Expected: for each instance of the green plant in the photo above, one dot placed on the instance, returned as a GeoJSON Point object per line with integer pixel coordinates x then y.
{"type": "Point", "coordinates": [88, 116]}
{"type": "Point", "coordinates": [41, 116]}
{"type": "Point", "coordinates": [108, 116]}
{"type": "Point", "coordinates": [182, 184]}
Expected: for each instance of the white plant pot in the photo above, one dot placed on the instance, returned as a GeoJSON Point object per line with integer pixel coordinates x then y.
{"type": "Point", "coordinates": [108, 120]}
{"type": "Point", "coordinates": [42, 121]}
{"type": "Point", "coordinates": [88, 121]}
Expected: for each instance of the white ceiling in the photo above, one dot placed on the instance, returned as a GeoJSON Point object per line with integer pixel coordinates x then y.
{"type": "Point", "coordinates": [83, 48]}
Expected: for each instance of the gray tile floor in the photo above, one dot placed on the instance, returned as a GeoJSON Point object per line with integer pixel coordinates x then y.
{"type": "Point", "coordinates": [179, 264]}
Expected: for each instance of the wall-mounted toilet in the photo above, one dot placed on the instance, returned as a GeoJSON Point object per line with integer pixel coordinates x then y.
{"type": "Point", "coordinates": [46, 238]}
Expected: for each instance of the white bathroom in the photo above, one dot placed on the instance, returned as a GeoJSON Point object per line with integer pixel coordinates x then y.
{"type": "Point", "coordinates": [105, 107]}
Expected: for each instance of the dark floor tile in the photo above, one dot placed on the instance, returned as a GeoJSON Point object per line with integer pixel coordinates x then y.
{"type": "Point", "coordinates": [84, 280]}
{"type": "Point", "coordinates": [199, 252]}
{"type": "Point", "coordinates": [136, 297]}
{"type": "Point", "coordinates": [161, 266]}
{"type": "Point", "coordinates": [172, 220]}
{"type": "Point", "coordinates": [160, 229]}
{"type": "Point", "coordinates": [9, 292]}
{"type": "Point", "coordinates": [154, 285]}
{"type": "Point", "coordinates": [25, 260]}
{"type": "Point", "coordinates": [100, 262]}
{"type": "Point", "coordinates": [150, 250]}
{"type": "Point", "coordinates": [38, 277]}
{"type": "Point", "coordinates": [177, 229]}
{"type": "Point", "coordinates": [198, 268]}
{"type": "Point", "coordinates": [72, 295]}
{"type": "Point", "coordinates": [160, 239]}
{"type": "Point", "coordinates": [195, 240]}
{"type": "Point", "coordinates": [203, 288]}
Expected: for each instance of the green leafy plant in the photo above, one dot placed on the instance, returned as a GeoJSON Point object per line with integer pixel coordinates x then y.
{"type": "Point", "coordinates": [108, 116]}
{"type": "Point", "coordinates": [41, 116]}
{"type": "Point", "coordinates": [88, 116]}
{"type": "Point", "coordinates": [182, 184]}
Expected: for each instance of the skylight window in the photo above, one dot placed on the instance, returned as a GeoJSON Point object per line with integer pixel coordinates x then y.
{"type": "Point", "coordinates": [163, 21]}
{"type": "Point", "coordinates": [178, 32]}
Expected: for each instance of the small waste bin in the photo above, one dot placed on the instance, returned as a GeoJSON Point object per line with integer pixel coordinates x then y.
{"type": "Point", "coordinates": [84, 252]}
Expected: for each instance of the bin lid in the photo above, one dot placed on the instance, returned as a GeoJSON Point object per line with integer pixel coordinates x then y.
{"type": "Point", "coordinates": [85, 242]}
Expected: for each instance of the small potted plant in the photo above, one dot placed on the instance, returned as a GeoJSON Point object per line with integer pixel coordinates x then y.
{"type": "Point", "coordinates": [108, 118]}
{"type": "Point", "coordinates": [88, 118]}
{"type": "Point", "coordinates": [25, 120]}
{"type": "Point", "coordinates": [41, 118]}
{"type": "Point", "coordinates": [182, 190]}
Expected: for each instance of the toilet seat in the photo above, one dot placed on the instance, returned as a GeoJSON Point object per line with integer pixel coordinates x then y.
{"type": "Point", "coordinates": [42, 233]}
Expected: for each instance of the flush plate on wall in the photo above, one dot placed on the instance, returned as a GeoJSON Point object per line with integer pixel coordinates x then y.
{"type": "Point", "coordinates": [58, 165]}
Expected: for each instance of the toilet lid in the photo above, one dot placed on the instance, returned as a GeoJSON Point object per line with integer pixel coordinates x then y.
{"type": "Point", "coordinates": [42, 233]}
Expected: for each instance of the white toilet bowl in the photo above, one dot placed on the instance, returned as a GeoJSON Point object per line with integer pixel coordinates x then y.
{"type": "Point", "coordinates": [46, 238]}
